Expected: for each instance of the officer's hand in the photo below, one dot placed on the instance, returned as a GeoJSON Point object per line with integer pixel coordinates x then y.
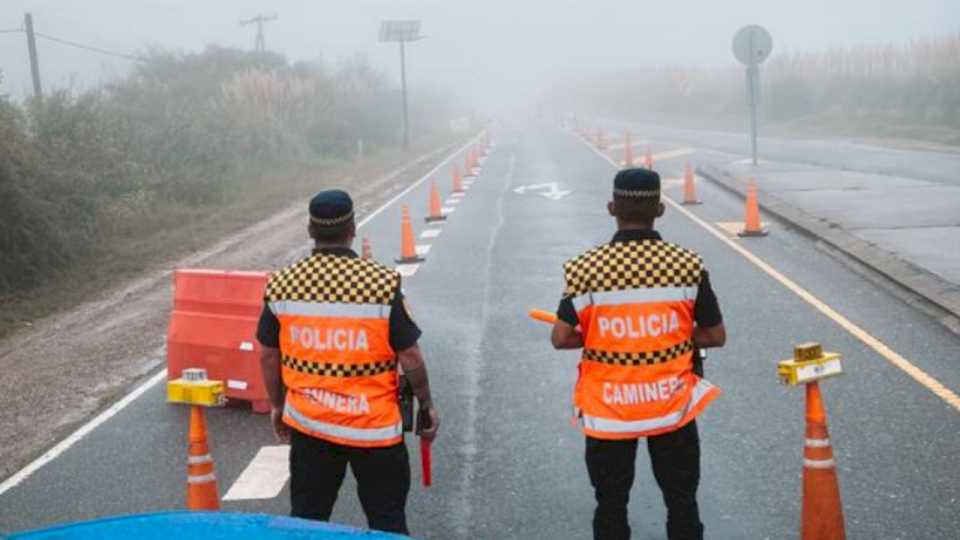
{"type": "Point", "coordinates": [431, 432]}
{"type": "Point", "coordinates": [280, 429]}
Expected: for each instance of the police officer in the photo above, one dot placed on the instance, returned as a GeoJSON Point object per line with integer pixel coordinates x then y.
{"type": "Point", "coordinates": [333, 329]}
{"type": "Point", "coordinates": [639, 307]}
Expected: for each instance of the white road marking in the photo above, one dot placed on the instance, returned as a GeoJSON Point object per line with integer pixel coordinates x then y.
{"type": "Point", "coordinates": [111, 411]}
{"type": "Point", "coordinates": [909, 368]}
{"type": "Point", "coordinates": [457, 195]}
{"type": "Point", "coordinates": [672, 182]}
{"type": "Point", "coordinates": [431, 233]}
{"type": "Point", "coordinates": [619, 146]}
{"type": "Point", "coordinates": [264, 476]}
{"type": "Point", "coordinates": [552, 192]}
{"type": "Point", "coordinates": [407, 270]}
{"type": "Point", "coordinates": [448, 210]}
{"type": "Point", "coordinates": [453, 201]}
{"type": "Point", "coordinates": [731, 227]}
{"type": "Point", "coordinates": [84, 430]}
{"type": "Point", "coordinates": [680, 152]}
{"type": "Point", "coordinates": [422, 249]}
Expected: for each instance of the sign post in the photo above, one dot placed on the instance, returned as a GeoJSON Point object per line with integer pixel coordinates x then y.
{"type": "Point", "coordinates": [752, 45]}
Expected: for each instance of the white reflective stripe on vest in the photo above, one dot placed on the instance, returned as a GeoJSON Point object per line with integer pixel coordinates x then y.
{"type": "Point", "coordinates": [330, 309]}
{"type": "Point", "coordinates": [344, 432]}
{"type": "Point", "coordinates": [635, 296]}
{"type": "Point", "coordinates": [608, 425]}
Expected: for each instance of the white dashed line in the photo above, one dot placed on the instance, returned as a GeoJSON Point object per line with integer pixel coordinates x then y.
{"type": "Point", "coordinates": [430, 233]}
{"type": "Point", "coordinates": [423, 249]}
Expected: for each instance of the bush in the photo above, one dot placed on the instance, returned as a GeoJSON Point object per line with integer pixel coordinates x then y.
{"type": "Point", "coordinates": [180, 129]}
{"type": "Point", "coordinates": [917, 83]}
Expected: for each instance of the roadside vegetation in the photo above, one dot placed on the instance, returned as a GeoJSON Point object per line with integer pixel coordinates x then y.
{"type": "Point", "coordinates": [909, 91]}
{"type": "Point", "coordinates": [98, 185]}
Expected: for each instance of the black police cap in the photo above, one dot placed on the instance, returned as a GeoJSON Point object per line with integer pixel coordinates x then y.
{"type": "Point", "coordinates": [331, 208]}
{"type": "Point", "coordinates": [637, 183]}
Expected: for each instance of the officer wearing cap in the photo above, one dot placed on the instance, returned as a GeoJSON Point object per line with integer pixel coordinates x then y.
{"type": "Point", "coordinates": [333, 330]}
{"type": "Point", "coordinates": [639, 307]}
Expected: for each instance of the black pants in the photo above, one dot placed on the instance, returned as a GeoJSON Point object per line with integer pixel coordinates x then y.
{"type": "Point", "coordinates": [675, 458]}
{"type": "Point", "coordinates": [317, 469]}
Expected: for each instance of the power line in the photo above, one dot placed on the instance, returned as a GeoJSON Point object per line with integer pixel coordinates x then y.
{"type": "Point", "coordinates": [90, 48]}
{"type": "Point", "coordinates": [11, 31]}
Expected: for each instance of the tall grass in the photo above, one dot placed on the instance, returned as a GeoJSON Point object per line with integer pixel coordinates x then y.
{"type": "Point", "coordinates": [915, 83]}
{"type": "Point", "coordinates": [78, 170]}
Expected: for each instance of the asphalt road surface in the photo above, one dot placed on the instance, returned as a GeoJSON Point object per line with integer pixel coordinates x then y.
{"type": "Point", "coordinates": [507, 463]}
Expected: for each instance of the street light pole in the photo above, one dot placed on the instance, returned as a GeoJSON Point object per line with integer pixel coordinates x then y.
{"type": "Point", "coordinates": [402, 32]}
{"type": "Point", "coordinates": [403, 84]}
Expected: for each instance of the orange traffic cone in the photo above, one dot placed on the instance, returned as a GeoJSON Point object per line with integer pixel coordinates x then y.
{"type": "Point", "coordinates": [468, 166]}
{"type": "Point", "coordinates": [408, 250]}
{"type": "Point", "coordinates": [201, 483]}
{"type": "Point", "coordinates": [366, 251]}
{"type": "Point", "coordinates": [648, 159]}
{"type": "Point", "coordinates": [689, 188]}
{"type": "Point", "coordinates": [436, 209]}
{"type": "Point", "coordinates": [752, 226]}
{"type": "Point", "coordinates": [457, 181]}
{"type": "Point", "coordinates": [822, 508]}
{"type": "Point", "coordinates": [627, 151]}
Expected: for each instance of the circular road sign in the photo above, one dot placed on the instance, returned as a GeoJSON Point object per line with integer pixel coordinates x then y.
{"type": "Point", "coordinates": [752, 45]}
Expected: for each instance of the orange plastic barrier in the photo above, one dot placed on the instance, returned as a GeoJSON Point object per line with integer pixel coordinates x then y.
{"type": "Point", "coordinates": [213, 326]}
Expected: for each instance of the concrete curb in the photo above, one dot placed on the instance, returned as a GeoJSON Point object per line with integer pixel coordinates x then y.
{"type": "Point", "coordinates": [932, 288]}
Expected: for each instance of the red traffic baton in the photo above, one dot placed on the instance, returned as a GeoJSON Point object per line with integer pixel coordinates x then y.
{"type": "Point", "coordinates": [424, 423]}
{"type": "Point", "coordinates": [425, 462]}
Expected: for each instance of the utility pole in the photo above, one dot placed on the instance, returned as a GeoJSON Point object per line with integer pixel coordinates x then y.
{"type": "Point", "coordinates": [34, 63]}
{"type": "Point", "coordinates": [260, 44]}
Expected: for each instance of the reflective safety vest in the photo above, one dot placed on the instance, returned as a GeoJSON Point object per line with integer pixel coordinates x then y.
{"type": "Point", "coordinates": [635, 303]}
{"type": "Point", "coordinates": [337, 363]}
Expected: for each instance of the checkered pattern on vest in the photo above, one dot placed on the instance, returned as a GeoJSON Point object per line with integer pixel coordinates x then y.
{"type": "Point", "coordinates": [632, 265]}
{"type": "Point", "coordinates": [332, 279]}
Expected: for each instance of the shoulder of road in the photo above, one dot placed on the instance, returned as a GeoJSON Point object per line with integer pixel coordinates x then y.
{"type": "Point", "coordinates": [907, 230]}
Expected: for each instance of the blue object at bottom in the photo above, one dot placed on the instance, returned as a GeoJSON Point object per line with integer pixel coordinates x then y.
{"type": "Point", "coordinates": [202, 526]}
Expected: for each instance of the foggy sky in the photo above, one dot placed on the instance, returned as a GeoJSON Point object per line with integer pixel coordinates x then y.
{"type": "Point", "coordinates": [478, 47]}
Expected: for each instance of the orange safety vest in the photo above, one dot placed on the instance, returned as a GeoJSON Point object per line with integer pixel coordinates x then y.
{"type": "Point", "coordinates": [635, 304]}
{"type": "Point", "coordinates": [337, 363]}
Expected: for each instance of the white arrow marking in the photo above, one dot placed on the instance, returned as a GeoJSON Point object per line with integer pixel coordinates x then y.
{"type": "Point", "coordinates": [553, 191]}
{"type": "Point", "coordinates": [523, 189]}
{"type": "Point", "coordinates": [555, 195]}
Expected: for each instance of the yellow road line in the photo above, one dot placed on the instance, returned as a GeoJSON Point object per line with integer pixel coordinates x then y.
{"type": "Point", "coordinates": [865, 337]}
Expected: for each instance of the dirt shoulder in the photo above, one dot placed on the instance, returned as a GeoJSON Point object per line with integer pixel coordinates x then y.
{"type": "Point", "coordinates": [66, 367]}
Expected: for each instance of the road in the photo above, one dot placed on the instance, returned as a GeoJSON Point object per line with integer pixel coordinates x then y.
{"type": "Point", "coordinates": [507, 463]}
{"type": "Point", "coordinates": [842, 154]}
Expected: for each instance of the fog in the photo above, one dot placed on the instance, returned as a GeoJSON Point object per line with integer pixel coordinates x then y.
{"type": "Point", "coordinates": [492, 48]}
